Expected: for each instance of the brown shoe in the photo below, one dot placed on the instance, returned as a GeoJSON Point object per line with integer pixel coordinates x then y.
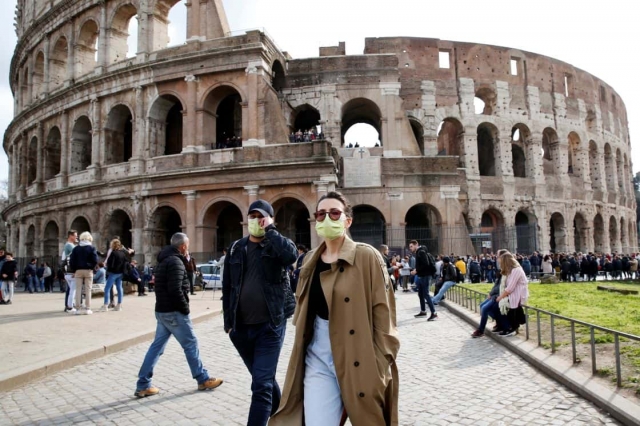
{"type": "Point", "coordinates": [147, 392]}
{"type": "Point", "coordinates": [212, 383]}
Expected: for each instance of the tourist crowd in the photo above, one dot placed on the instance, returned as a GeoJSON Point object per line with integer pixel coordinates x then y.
{"type": "Point", "coordinates": [309, 135]}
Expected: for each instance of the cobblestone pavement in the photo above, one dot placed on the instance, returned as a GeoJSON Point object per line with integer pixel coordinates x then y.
{"type": "Point", "coordinates": [446, 378]}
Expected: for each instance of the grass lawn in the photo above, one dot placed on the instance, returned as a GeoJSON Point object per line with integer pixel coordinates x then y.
{"type": "Point", "coordinates": [584, 302]}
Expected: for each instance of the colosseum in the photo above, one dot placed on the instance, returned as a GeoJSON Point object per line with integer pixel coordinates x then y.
{"type": "Point", "coordinates": [138, 146]}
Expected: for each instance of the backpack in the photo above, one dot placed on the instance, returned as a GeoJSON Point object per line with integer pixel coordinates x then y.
{"type": "Point", "coordinates": [431, 262]}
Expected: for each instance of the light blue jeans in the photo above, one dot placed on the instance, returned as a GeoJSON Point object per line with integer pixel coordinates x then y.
{"type": "Point", "coordinates": [117, 279]}
{"type": "Point", "coordinates": [178, 325]}
{"type": "Point", "coordinates": [322, 400]}
{"type": "Point", "coordinates": [446, 286]}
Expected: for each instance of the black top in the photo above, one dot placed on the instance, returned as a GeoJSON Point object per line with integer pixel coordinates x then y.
{"type": "Point", "coordinates": [317, 302]}
{"type": "Point", "coordinates": [83, 257]}
{"type": "Point", "coordinates": [172, 285]}
{"type": "Point", "coordinates": [252, 307]}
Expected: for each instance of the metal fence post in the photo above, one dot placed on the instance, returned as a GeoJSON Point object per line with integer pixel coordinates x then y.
{"type": "Point", "coordinates": [573, 342]}
{"type": "Point", "coordinates": [594, 368]}
{"type": "Point", "coordinates": [553, 335]}
{"type": "Point", "coordinates": [539, 333]}
{"type": "Point", "coordinates": [526, 324]}
{"type": "Point", "coordinates": [618, 366]}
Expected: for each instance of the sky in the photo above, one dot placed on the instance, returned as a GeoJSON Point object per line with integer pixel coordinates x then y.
{"type": "Point", "coordinates": [601, 38]}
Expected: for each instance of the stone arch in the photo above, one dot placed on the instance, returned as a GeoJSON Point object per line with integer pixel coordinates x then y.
{"type": "Point", "coordinates": [304, 117]}
{"type": "Point", "coordinates": [24, 87]}
{"type": "Point", "coordinates": [609, 167]}
{"type": "Point", "coordinates": [80, 224]}
{"type": "Point", "coordinates": [222, 225]}
{"type": "Point", "coordinates": [32, 160]}
{"type": "Point", "coordinates": [164, 221]}
{"type": "Point", "coordinates": [450, 137]}
{"type": "Point", "coordinates": [574, 163]}
{"type": "Point", "coordinates": [118, 134]}
{"type": "Point", "coordinates": [596, 178]}
{"type": "Point", "coordinates": [119, 32]}
{"type": "Point", "coordinates": [58, 58]}
{"type": "Point", "coordinates": [86, 47]}
{"type": "Point", "coordinates": [369, 225]}
{"type": "Point", "coordinates": [80, 144]}
{"type": "Point", "coordinates": [418, 133]}
{"type": "Point", "coordinates": [38, 78]}
{"type": "Point", "coordinates": [52, 153]}
{"type": "Point", "coordinates": [422, 223]}
{"type": "Point", "coordinates": [580, 233]}
{"type": "Point", "coordinates": [550, 151]}
{"type": "Point", "coordinates": [633, 235]}
{"type": "Point", "coordinates": [614, 241]}
{"type": "Point", "coordinates": [30, 243]}
{"type": "Point", "coordinates": [522, 151]}
{"type": "Point", "coordinates": [598, 233]}
{"type": "Point", "coordinates": [361, 111]}
{"type": "Point", "coordinates": [624, 242]}
{"type": "Point", "coordinates": [526, 229]}
{"type": "Point", "coordinates": [488, 97]}
{"type": "Point", "coordinates": [223, 115]}
{"type": "Point", "coordinates": [119, 223]}
{"type": "Point", "coordinates": [492, 222]}
{"type": "Point", "coordinates": [50, 240]}
{"type": "Point", "coordinates": [161, 12]}
{"type": "Point", "coordinates": [488, 149]}
{"type": "Point", "coordinates": [293, 220]}
{"type": "Point", "coordinates": [557, 233]}
{"type": "Point", "coordinates": [620, 171]}
{"type": "Point", "coordinates": [166, 126]}
{"type": "Point", "coordinates": [277, 76]}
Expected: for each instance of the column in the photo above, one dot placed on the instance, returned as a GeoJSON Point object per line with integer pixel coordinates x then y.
{"type": "Point", "coordinates": [390, 135]}
{"type": "Point", "coordinates": [96, 136]}
{"type": "Point", "coordinates": [193, 19]}
{"type": "Point", "coordinates": [38, 244]}
{"type": "Point", "coordinates": [71, 60]}
{"type": "Point", "coordinates": [62, 177]}
{"type": "Point", "coordinates": [47, 75]}
{"type": "Point", "coordinates": [253, 71]}
{"type": "Point", "coordinates": [22, 248]}
{"type": "Point", "coordinates": [30, 81]}
{"type": "Point", "coordinates": [322, 188]}
{"type": "Point", "coordinates": [137, 222]}
{"type": "Point", "coordinates": [252, 191]}
{"type": "Point", "coordinates": [14, 244]}
{"type": "Point", "coordinates": [137, 161]}
{"type": "Point", "coordinates": [190, 123]}
{"type": "Point", "coordinates": [40, 157]}
{"type": "Point", "coordinates": [14, 170]}
{"type": "Point", "coordinates": [102, 38]}
{"type": "Point", "coordinates": [191, 215]}
{"type": "Point", "coordinates": [22, 154]}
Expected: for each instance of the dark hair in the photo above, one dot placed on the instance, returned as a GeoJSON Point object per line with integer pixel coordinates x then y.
{"type": "Point", "coordinates": [8, 253]}
{"type": "Point", "coordinates": [101, 264]}
{"type": "Point", "coordinates": [71, 232]}
{"type": "Point", "coordinates": [302, 247]}
{"type": "Point", "coordinates": [414, 242]}
{"type": "Point", "coordinates": [335, 195]}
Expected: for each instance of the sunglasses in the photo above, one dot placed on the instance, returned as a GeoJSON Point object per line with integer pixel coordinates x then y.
{"type": "Point", "coordinates": [334, 214]}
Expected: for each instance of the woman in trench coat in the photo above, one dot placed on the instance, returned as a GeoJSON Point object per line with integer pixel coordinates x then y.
{"type": "Point", "coordinates": [343, 362]}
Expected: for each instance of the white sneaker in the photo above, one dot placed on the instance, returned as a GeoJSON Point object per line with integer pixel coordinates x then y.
{"type": "Point", "coordinates": [72, 311]}
{"type": "Point", "coordinates": [118, 307]}
{"type": "Point", "coordinates": [78, 312]}
{"type": "Point", "coordinates": [88, 312]}
{"type": "Point", "coordinates": [104, 308]}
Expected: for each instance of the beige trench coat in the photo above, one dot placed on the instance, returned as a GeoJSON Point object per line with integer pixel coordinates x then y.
{"type": "Point", "coordinates": [364, 338]}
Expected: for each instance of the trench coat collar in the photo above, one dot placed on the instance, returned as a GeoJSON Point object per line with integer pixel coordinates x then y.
{"type": "Point", "coordinates": [347, 251]}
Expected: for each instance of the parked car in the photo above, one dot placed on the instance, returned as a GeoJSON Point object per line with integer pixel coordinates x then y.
{"type": "Point", "coordinates": [210, 273]}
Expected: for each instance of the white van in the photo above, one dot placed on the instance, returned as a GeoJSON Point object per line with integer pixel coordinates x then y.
{"type": "Point", "coordinates": [210, 275]}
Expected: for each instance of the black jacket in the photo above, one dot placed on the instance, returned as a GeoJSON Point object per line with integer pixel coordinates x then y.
{"type": "Point", "coordinates": [172, 284]}
{"type": "Point", "coordinates": [83, 257]}
{"type": "Point", "coordinates": [449, 273]}
{"type": "Point", "coordinates": [278, 252]}
{"type": "Point", "coordinates": [117, 262]}
{"type": "Point", "coordinates": [9, 268]}
{"type": "Point", "coordinates": [423, 267]}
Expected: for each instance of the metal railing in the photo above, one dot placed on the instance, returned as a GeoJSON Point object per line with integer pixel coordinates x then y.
{"type": "Point", "coordinates": [471, 299]}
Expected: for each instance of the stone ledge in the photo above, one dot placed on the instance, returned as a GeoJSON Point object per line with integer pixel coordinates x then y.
{"type": "Point", "coordinates": [32, 373]}
{"type": "Point", "coordinates": [619, 407]}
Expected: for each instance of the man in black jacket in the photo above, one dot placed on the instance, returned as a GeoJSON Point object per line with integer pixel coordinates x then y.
{"type": "Point", "coordinates": [8, 275]}
{"type": "Point", "coordinates": [425, 268]}
{"type": "Point", "coordinates": [172, 314]}
{"type": "Point", "coordinates": [257, 300]}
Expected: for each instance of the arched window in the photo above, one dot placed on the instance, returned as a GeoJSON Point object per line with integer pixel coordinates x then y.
{"type": "Point", "coordinates": [485, 101]}
{"type": "Point", "coordinates": [596, 178]}
{"type": "Point", "coordinates": [557, 233]}
{"type": "Point", "coordinates": [609, 167]}
{"type": "Point", "coordinates": [52, 154]}
{"type": "Point", "coordinates": [450, 137]}
{"type": "Point", "coordinates": [488, 142]}
{"type": "Point", "coordinates": [58, 59]}
{"type": "Point", "coordinates": [598, 233]}
{"type": "Point", "coordinates": [305, 118]}
{"type": "Point", "coordinates": [118, 49]}
{"type": "Point", "coordinates": [418, 133]}
{"type": "Point", "coordinates": [120, 226]}
{"type": "Point", "coordinates": [614, 242]}
{"type": "Point", "coordinates": [86, 58]}
{"type": "Point", "coordinates": [118, 134]}
{"type": "Point", "coordinates": [223, 117]}
{"type": "Point", "coordinates": [32, 160]}
{"type": "Point", "coordinates": [575, 162]}
{"type": "Point", "coordinates": [38, 76]}
{"type": "Point", "coordinates": [165, 221]}
{"type": "Point", "coordinates": [550, 151]}
{"type": "Point", "coordinates": [620, 172]}
{"type": "Point", "coordinates": [580, 233]}
{"type": "Point", "coordinates": [526, 230]}
{"type": "Point", "coordinates": [292, 220]}
{"type": "Point", "coordinates": [423, 225]}
{"type": "Point", "coordinates": [170, 24]}
{"type": "Point", "coordinates": [519, 161]}
{"type": "Point", "coordinates": [277, 76]}
{"type": "Point", "coordinates": [166, 126]}
{"type": "Point", "coordinates": [80, 145]}
{"type": "Point", "coordinates": [369, 226]}
{"type": "Point", "coordinates": [222, 225]}
{"type": "Point", "coordinates": [361, 123]}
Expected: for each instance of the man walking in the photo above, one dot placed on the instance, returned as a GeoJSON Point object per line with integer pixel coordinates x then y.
{"type": "Point", "coordinates": [70, 294]}
{"type": "Point", "coordinates": [256, 306]}
{"type": "Point", "coordinates": [8, 275]}
{"type": "Point", "coordinates": [172, 314]}
{"type": "Point", "coordinates": [425, 268]}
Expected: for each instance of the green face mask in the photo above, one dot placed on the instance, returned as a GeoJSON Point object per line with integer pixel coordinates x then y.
{"type": "Point", "coordinates": [330, 229]}
{"type": "Point", "coordinates": [255, 229]}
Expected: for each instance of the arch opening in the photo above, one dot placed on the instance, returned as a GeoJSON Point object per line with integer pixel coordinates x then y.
{"type": "Point", "coordinates": [120, 225]}
{"type": "Point", "coordinates": [86, 54]}
{"type": "Point", "coordinates": [525, 233]}
{"type": "Point", "coordinates": [222, 225]}
{"type": "Point", "coordinates": [418, 133]}
{"type": "Point", "coordinates": [292, 219]}
{"type": "Point", "coordinates": [166, 126]}
{"type": "Point", "coordinates": [423, 225]}
{"type": "Point", "coordinates": [123, 44]}
{"type": "Point", "coordinates": [580, 230]}
{"type": "Point", "coordinates": [598, 233]}
{"type": "Point", "coordinates": [118, 134]}
{"type": "Point", "coordinates": [487, 140]}
{"type": "Point", "coordinates": [58, 59]}
{"type": "Point", "coordinates": [306, 122]}
{"type": "Point", "coordinates": [164, 222]}
{"type": "Point", "coordinates": [620, 172]}
{"type": "Point", "coordinates": [223, 117]}
{"type": "Point", "coordinates": [50, 242]}
{"type": "Point", "coordinates": [550, 151]}
{"type": "Point", "coordinates": [519, 161]}
{"type": "Point", "coordinates": [277, 76]}
{"type": "Point", "coordinates": [361, 123]}
{"type": "Point", "coordinates": [557, 233]}
{"type": "Point", "coordinates": [609, 167]}
{"type": "Point", "coordinates": [52, 154]}
{"type": "Point", "coordinates": [613, 235]}
{"type": "Point", "coordinates": [38, 76]}
{"type": "Point", "coordinates": [574, 160]}
{"type": "Point", "coordinates": [30, 243]}
{"type": "Point", "coordinates": [596, 179]}
{"type": "Point", "coordinates": [369, 225]}
{"type": "Point", "coordinates": [170, 24]}
{"type": "Point", "coordinates": [32, 160]}
{"type": "Point", "coordinates": [485, 101]}
{"type": "Point", "coordinates": [80, 145]}
{"type": "Point", "coordinates": [450, 137]}
{"type": "Point", "coordinates": [80, 224]}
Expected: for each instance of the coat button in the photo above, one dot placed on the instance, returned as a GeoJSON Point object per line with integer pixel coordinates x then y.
{"type": "Point", "coordinates": [341, 269]}
{"type": "Point", "coordinates": [361, 394]}
{"type": "Point", "coordinates": [352, 332]}
{"type": "Point", "coordinates": [356, 364]}
{"type": "Point", "coordinates": [346, 299]}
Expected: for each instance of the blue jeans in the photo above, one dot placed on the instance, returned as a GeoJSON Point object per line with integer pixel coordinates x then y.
{"type": "Point", "coordinates": [423, 294]}
{"type": "Point", "coordinates": [32, 284]}
{"type": "Point", "coordinates": [486, 308]}
{"type": "Point", "coordinates": [446, 286]}
{"type": "Point", "coordinates": [178, 325]}
{"type": "Point", "coordinates": [117, 278]}
{"type": "Point", "coordinates": [491, 275]}
{"type": "Point", "coordinates": [259, 347]}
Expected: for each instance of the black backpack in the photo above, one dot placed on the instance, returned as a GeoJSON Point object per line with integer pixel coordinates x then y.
{"type": "Point", "coordinates": [431, 262]}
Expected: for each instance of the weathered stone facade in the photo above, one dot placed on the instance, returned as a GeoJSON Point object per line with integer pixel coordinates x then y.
{"type": "Point", "coordinates": [126, 146]}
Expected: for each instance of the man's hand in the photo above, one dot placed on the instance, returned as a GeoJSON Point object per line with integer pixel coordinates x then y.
{"type": "Point", "coordinates": [413, 272]}
{"type": "Point", "coordinates": [265, 221]}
